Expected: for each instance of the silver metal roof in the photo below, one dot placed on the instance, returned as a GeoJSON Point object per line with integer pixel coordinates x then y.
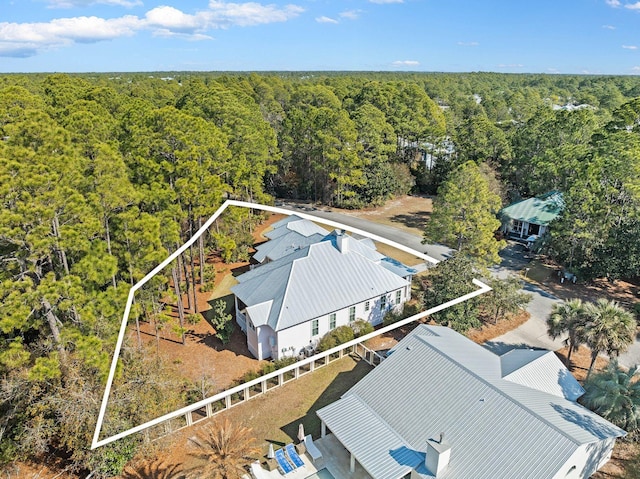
{"type": "Point", "coordinates": [442, 381]}
{"type": "Point", "coordinates": [370, 438]}
{"type": "Point", "coordinates": [285, 244]}
{"type": "Point", "coordinates": [540, 370]}
{"type": "Point", "coordinates": [297, 224]}
{"type": "Point", "coordinates": [312, 282]}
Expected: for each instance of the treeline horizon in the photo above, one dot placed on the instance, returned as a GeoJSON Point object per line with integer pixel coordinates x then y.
{"type": "Point", "coordinates": [101, 177]}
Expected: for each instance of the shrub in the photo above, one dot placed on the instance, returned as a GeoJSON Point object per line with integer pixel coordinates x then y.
{"type": "Point", "coordinates": [361, 327]}
{"type": "Point", "coordinates": [281, 363]}
{"type": "Point", "coordinates": [222, 321]}
{"type": "Point", "coordinates": [391, 317]}
{"type": "Point", "coordinates": [193, 318]}
{"type": "Point", "coordinates": [335, 337]}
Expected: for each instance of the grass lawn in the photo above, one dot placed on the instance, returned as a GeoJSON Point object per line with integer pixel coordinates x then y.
{"type": "Point", "coordinates": [275, 416]}
{"type": "Point", "coordinates": [539, 272]}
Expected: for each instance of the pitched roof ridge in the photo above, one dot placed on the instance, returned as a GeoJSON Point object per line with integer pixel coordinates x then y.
{"type": "Point", "coordinates": [288, 282]}
{"type": "Point", "coordinates": [494, 387]}
{"type": "Point", "coordinates": [379, 418]}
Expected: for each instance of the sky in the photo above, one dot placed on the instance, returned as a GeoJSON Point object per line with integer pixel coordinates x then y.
{"type": "Point", "coordinates": [540, 36]}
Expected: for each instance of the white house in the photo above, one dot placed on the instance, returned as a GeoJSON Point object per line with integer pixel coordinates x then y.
{"type": "Point", "coordinates": [291, 302]}
{"type": "Point", "coordinates": [441, 406]}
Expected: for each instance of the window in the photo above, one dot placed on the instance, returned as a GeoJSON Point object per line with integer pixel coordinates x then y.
{"type": "Point", "coordinates": [398, 296]}
{"type": "Point", "coordinates": [517, 227]}
{"type": "Point", "coordinates": [314, 327]}
{"type": "Point", "coordinates": [366, 306]}
{"type": "Point", "coordinates": [352, 314]}
{"type": "Point", "coordinates": [383, 301]}
{"type": "Point", "coordinates": [332, 320]}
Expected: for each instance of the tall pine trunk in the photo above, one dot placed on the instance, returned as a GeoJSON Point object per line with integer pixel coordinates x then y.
{"type": "Point", "coordinates": [108, 238]}
{"type": "Point", "coordinates": [176, 286]}
{"type": "Point", "coordinates": [183, 261]}
{"type": "Point", "coordinates": [52, 321]}
{"type": "Point", "coordinates": [202, 258]}
{"type": "Point", "coordinates": [193, 269]}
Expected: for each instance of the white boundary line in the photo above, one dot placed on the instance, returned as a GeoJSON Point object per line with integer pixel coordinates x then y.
{"type": "Point", "coordinates": [95, 443]}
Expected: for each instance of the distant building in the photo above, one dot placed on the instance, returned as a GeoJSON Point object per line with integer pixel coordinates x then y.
{"type": "Point", "coordinates": [531, 217]}
{"type": "Point", "coordinates": [306, 290]}
{"type": "Point", "coordinates": [441, 406]}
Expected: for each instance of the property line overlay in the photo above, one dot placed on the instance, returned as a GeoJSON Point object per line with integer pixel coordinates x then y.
{"type": "Point", "coordinates": [95, 443]}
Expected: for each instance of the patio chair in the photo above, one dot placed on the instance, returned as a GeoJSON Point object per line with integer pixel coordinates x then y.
{"type": "Point", "coordinates": [285, 466]}
{"type": "Point", "coordinates": [293, 455]}
{"type": "Point", "coordinates": [312, 449]}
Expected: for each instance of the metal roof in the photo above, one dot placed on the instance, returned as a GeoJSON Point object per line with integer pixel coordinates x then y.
{"type": "Point", "coordinates": [312, 282]}
{"type": "Point", "coordinates": [370, 439]}
{"type": "Point", "coordinates": [442, 381]}
{"type": "Point", "coordinates": [297, 224]}
{"type": "Point", "coordinates": [285, 244]}
{"type": "Point", "coordinates": [540, 370]}
{"type": "Point", "coordinates": [541, 210]}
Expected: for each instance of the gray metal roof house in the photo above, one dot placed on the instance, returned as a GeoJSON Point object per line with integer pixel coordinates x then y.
{"type": "Point", "coordinates": [289, 303]}
{"type": "Point", "coordinates": [441, 406]}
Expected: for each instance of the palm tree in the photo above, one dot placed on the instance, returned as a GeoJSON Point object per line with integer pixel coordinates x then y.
{"type": "Point", "coordinates": [567, 317]}
{"type": "Point", "coordinates": [609, 329]}
{"type": "Point", "coordinates": [154, 470]}
{"type": "Point", "coordinates": [615, 395]}
{"type": "Point", "coordinates": [223, 450]}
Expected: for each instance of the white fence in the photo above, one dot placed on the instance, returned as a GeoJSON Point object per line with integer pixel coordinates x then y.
{"type": "Point", "coordinates": [237, 395]}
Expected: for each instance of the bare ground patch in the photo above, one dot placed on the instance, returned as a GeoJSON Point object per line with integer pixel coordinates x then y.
{"type": "Point", "coordinates": [409, 213]}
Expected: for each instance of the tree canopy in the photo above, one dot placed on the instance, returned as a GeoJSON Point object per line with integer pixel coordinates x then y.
{"type": "Point", "coordinates": [102, 176]}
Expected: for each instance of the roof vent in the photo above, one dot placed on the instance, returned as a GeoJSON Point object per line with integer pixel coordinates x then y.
{"type": "Point", "coordinates": [438, 455]}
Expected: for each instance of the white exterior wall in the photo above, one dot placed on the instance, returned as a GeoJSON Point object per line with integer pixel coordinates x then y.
{"type": "Point", "coordinates": [295, 338]}
{"type": "Point", "coordinates": [586, 460]}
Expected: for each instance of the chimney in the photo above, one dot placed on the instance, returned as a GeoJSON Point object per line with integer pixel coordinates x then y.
{"type": "Point", "coordinates": [342, 241]}
{"type": "Point", "coordinates": [438, 454]}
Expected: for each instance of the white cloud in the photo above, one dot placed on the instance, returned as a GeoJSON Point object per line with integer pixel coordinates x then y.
{"type": "Point", "coordinates": [613, 3]}
{"type": "Point", "coordinates": [633, 6]}
{"type": "Point", "coordinates": [380, 2]}
{"type": "Point", "coordinates": [510, 65]}
{"type": "Point", "coordinates": [608, 27]}
{"type": "Point", "coordinates": [324, 19]}
{"type": "Point", "coordinates": [85, 3]}
{"type": "Point", "coordinates": [63, 31]}
{"type": "Point", "coordinates": [405, 63]}
{"type": "Point", "coordinates": [468, 44]}
{"type": "Point", "coordinates": [28, 39]}
{"type": "Point", "coordinates": [630, 47]}
{"type": "Point", "coordinates": [636, 69]}
{"type": "Point", "coordinates": [351, 14]}
{"type": "Point", "coordinates": [223, 14]}
{"type": "Point", "coordinates": [553, 70]}
{"type": "Point", "coordinates": [173, 20]}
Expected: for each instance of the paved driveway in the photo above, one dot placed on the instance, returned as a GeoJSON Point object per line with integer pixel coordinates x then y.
{"type": "Point", "coordinates": [532, 334]}
{"type": "Point", "coordinates": [436, 251]}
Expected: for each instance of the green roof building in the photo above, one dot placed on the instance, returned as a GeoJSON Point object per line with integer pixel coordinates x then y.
{"type": "Point", "coordinates": [532, 216]}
